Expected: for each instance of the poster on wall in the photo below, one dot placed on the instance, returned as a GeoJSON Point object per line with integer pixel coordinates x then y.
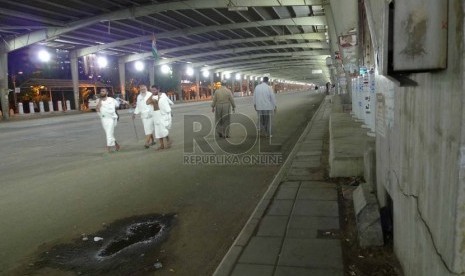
{"type": "Point", "coordinates": [349, 40]}
{"type": "Point", "coordinates": [380, 115]}
{"type": "Point", "coordinates": [420, 35]}
{"type": "Point", "coordinates": [349, 51]}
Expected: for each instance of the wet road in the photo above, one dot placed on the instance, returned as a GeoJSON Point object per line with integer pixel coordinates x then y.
{"type": "Point", "coordinates": [57, 182]}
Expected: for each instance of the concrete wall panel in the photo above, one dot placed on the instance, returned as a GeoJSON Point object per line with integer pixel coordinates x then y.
{"type": "Point", "coordinates": [419, 160]}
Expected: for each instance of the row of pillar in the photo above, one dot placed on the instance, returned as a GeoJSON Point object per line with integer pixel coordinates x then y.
{"type": "Point", "coordinates": [364, 100]}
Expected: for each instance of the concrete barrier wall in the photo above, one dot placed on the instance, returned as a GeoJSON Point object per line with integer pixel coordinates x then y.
{"type": "Point", "coordinates": [420, 149]}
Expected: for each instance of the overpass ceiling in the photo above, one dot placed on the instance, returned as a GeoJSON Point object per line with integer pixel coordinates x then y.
{"type": "Point", "coordinates": [195, 31]}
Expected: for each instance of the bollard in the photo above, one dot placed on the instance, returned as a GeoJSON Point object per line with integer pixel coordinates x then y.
{"type": "Point", "coordinates": [41, 107]}
{"type": "Point", "coordinates": [60, 106]}
{"type": "Point", "coordinates": [68, 105]}
{"type": "Point", "coordinates": [31, 108]}
{"type": "Point", "coordinates": [50, 106]}
{"type": "Point", "coordinates": [20, 109]}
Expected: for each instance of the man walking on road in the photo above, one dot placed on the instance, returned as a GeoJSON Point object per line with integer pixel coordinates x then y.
{"type": "Point", "coordinates": [164, 103]}
{"type": "Point", "coordinates": [160, 126]}
{"type": "Point", "coordinates": [222, 102]}
{"type": "Point", "coordinates": [106, 109]}
{"type": "Point", "coordinates": [145, 111]}
{"type": "Point", "coordinates": [264, 102]}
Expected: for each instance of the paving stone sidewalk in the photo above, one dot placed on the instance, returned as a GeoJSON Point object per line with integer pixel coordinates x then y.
{"type": "Point", "coordinates": [292, 230]}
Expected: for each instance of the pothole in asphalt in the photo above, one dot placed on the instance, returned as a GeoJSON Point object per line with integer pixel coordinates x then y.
{"type": "Point", "coordinates": [126, 245]}
{"type": "Point", "coordinates": [142, 232]}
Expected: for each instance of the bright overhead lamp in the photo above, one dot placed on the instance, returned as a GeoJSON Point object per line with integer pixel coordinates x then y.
{"type": "Point", "coordinates": [102, 62]}
{"type": "Point", "coordinates": [44, 56]}
{"type": "Point", "coordinates": [139, 65]}
{"type": "Point", "coordinates": [165, 69]}
{"type": "Point", "coordinates": [205, 73]}
{"type": "Point", "coordinates": [190, 71]}
{"type": "Point", "coordinates": [227, 76]}
{"type": "Point", "coordinates": [238, 76]}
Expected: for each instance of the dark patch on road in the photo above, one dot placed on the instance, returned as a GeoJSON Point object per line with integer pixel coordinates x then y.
{"type": "Point", "coordinates": [128, 246]}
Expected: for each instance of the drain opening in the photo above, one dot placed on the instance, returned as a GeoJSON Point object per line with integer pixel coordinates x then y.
{"type": "Point", "coordinates": [135, 233]}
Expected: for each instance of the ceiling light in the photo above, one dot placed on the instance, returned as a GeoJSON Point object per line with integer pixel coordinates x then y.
{"type": "Point", "coordinates": [139, 65]}
{"type": "Point", "coordinates": [165, 69]}
{"type": "Point", "coordinates": [102, 62]}
{"type": "Point", "coordinates": [44, 56]}
{"type": "Point", "coordinates": [189, 71]}
{"type": "Point", "coordinates": [234, 8]}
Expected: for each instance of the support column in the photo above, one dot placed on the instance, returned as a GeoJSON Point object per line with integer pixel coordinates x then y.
{"type": "Point", "coordinates": [152, 72]}
{"type": "Point", "coordinates": [232, 77]}
{"type": "Point", "coordinates": [4, 85]}
{"type": "Point", "coordinates": [122, 78]}
{"type": "Point", "coordinates": [211, 83]}
{"type": "Point", "coordinates": [197, 84]}
{"type": "Point", "coordinates": [75, 78]}
{"type": "Point", "coordinates": [177, 76]}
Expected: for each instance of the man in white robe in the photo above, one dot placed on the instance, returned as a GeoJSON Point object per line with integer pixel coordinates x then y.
{"type": "Point", "coordinates": [159, 119]}
{"type": "Point", "coordinates": [145, 110]}
{"type": "Point", "coordinates": [106, 109]}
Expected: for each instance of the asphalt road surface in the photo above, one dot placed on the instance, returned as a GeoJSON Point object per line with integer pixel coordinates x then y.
{"type": "Point", "coordinates": [58, 182]}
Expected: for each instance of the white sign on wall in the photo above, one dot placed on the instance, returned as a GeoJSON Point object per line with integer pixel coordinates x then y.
{"type": "Point", "coordinates": [420, 35]}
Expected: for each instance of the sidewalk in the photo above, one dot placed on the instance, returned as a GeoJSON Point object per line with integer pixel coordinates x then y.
{"type": "Point", "coordinates": [292, 229]}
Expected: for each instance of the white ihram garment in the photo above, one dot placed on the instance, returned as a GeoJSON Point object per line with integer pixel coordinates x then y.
{"type": "Point", "coordinates": [108, 118]}
{"type": "Point", "coordinates": [145, 110]}
{"type": "Point", "coordinates": [159, 123]}
{"type": "Point", "coordinates": [165, 109]}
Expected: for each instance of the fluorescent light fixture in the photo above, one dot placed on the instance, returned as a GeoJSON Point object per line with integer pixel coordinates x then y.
{"type": "Point", "coordinates": [238, 76]}
{"type": "Point", "coordinates": [317, 71]}
{"type": "Point", "coordinates": [237, 8]}
{"type": "Point", "coordinates": [205, 73]}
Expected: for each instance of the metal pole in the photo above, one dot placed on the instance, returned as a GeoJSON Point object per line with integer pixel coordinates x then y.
{"type": "Point", "coordinates": [135, 131]}
{"type": "Point", "coordinates": [4, 85]}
